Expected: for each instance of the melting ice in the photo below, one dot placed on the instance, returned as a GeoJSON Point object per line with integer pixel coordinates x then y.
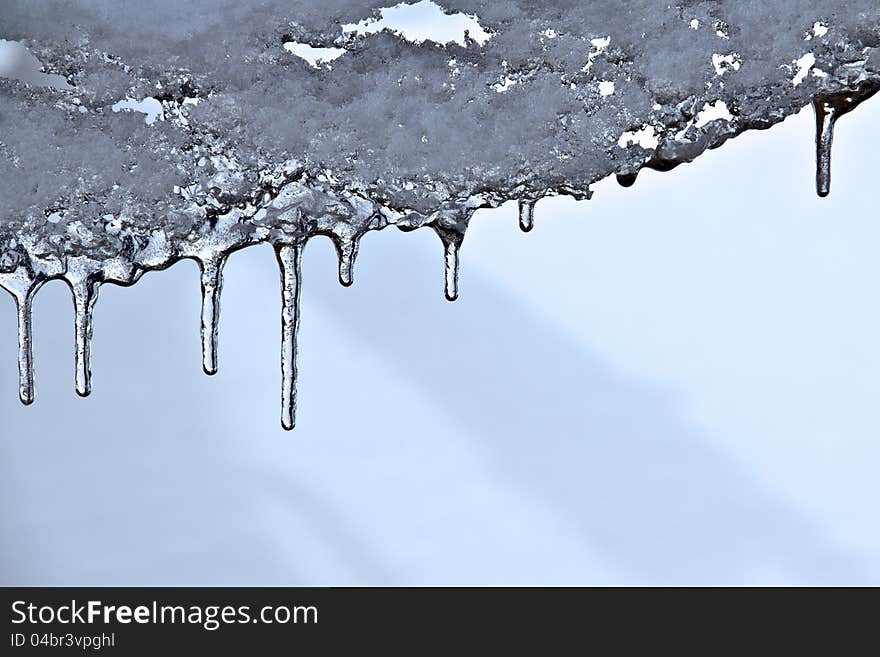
{"type": "Point", "coordinates": [244, 149]}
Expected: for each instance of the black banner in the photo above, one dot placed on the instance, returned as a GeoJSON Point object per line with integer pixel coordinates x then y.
{"type": "Point", "coordinates": [249, 620]}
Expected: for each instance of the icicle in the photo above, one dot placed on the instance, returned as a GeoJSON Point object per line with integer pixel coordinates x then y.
{"type": "Point", "coordinates": [25, 350]}
{"type": "Point", "coordinates": [452, 236]}
{"type": "Point", "coordinates": [23, 288]}
{"type": "Point", "coordinates": [290, 260]}
{"type": "Point", "coordinates": [85, 294]}
{"type": "Point", "coordinates": [627, 179]}
{"type": "Point", "coordinates": [347, 250]}
{"type": "Point", "coordinates": [829, 108]}
{"type": "Point", "coordinates": [212, 284]}
{"type": "Point", "coordinates": [826, 116]}
{"type": "Point", "coordinates": [451, 247]}
{"type": "Point", "coordinates": [526, 215]}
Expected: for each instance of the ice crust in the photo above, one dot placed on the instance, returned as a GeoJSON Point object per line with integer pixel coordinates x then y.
{"type": "Point", "coordinates": [255, 144]}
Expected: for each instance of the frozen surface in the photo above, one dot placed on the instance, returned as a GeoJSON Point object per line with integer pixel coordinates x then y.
{"type": "Point", "coordinates": [255, 144]}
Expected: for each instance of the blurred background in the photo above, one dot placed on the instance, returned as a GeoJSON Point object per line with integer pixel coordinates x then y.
{"type": "Point", "coordinates": [670, 384]}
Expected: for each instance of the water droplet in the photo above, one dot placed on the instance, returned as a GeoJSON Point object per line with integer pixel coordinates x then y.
{"type": "Point", "coordinates": [627, 179]}
{"type": "Point", "coordinates": [526, 215]}
{"type": "Point", "coordinates": [212, 284]}
{"type": "Point", "coordinates": [290, 261]}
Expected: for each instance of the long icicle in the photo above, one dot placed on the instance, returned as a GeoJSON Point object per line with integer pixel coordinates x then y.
{"type": "Point", "coordinates": [526, 215]}
{"type": "Point", "coordinates": [25, 350]}
{"type": "Point", "coordinates": [212, 285]}
{"type": "Point", "coordinates": [290, 261]}
{"type": "Point", "coordinates": [23, 288]}
{"type": "Point", "coordinates": [826, 117]}
{"type": "Point", "coordinates": [85, 294]}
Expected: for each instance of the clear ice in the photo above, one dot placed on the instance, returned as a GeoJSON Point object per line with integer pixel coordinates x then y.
{"type": "Point", "coordinates": [229, 139]}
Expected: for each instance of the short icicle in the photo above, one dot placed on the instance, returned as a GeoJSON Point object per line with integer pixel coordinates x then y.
{"type": "Point", "coordinates": [829, 107]}
{"type": "Point", "coordinates": [290, 261]}
{"type": "Point", "coordinates": [526, 215]}
{"type": "Point", "coordinates": [347, 250]}
{"type": "Point", "coordinates": [452, 266]}
{"type": "Point", "coordinates": [23, 288]}
{"type": "Point", "coordinates": [85, 294]}
{"type": "Point", "coordinates": [212, 284]}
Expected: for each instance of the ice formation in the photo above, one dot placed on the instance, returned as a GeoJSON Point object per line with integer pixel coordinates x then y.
{"type": "Point", "coordinates": [165, 130]}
